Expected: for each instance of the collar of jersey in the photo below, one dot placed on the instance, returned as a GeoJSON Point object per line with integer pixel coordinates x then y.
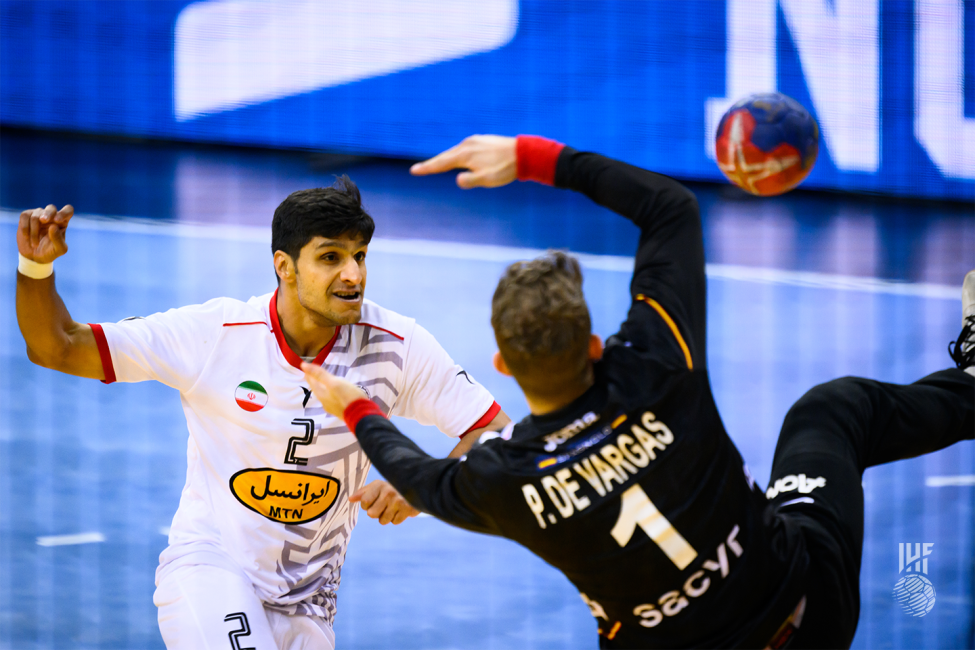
{"type": "Point", "coordinates": [594, 399]}
{"type": "Point", "coordinates": [286, 350]}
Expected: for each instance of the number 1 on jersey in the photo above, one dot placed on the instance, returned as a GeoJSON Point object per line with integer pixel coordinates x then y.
{"type": "Point", "coordinates": [636, 509]}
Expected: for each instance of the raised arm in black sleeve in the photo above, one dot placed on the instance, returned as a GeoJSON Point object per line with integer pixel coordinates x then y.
{"type": "Point", "coordinates": [669, 267]}
{"type": "Point", "coordinates": [446, 488]}
{"type": "Point", "coordinates": [669, 273]}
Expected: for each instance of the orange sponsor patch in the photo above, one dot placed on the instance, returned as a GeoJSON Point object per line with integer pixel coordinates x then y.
{"type": "Point", "coordinates": [285, 496]}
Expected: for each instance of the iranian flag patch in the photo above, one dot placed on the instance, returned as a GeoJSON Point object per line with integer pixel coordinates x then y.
{"type": "Point", "coordinates": [251, 396]}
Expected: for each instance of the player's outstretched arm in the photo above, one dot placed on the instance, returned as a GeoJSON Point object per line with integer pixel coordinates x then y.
{"type": "Point", "coordinates": [379, 499]}
{"type": "Point", "coordinates": [669, 270]}
{"type": "Point", "coordinates": [419, 477]}
{"type": "Point", "coordinates": [54, 340]}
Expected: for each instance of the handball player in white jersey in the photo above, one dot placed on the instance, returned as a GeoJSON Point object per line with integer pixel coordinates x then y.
{"type": "Point", "coordinates": [257, 544]}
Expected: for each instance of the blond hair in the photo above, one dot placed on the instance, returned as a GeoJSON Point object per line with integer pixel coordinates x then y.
{"type": "Point", "coordinates": [542, 324]}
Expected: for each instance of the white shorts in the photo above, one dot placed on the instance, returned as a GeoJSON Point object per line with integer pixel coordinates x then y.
{"type": "Point", "coordinates": [206, 607]}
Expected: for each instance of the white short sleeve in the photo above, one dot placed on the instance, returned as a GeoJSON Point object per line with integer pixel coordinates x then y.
{"type": "Point", "coordinates": [437, 391]}
{"type": "Point", "coordinates": [170, 347]}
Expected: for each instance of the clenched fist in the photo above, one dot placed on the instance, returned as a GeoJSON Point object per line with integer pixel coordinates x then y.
{"type": "Point", "coordinates": [40, 234]}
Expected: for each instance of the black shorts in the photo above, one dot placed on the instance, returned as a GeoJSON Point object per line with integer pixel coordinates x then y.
{"type": "Point", "coordinates": [829, 437]}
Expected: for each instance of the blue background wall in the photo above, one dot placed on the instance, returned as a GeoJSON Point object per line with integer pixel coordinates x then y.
{"type": "Point", "coordinates": [629, 79]}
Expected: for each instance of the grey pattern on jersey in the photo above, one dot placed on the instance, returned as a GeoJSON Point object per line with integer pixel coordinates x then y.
{"type": "Point", "coordinates": [313, 568]}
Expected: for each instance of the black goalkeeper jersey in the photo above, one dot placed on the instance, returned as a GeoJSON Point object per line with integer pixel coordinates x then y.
{"type": "Point", "coordinates": [634, 491]}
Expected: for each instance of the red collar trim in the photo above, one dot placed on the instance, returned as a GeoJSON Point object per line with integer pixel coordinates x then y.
{"type": "Point", "coordinates": [286, 350]}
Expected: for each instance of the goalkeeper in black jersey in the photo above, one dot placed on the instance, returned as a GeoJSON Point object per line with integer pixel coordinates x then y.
{"type": "Point", "coordinates": [623, 476]}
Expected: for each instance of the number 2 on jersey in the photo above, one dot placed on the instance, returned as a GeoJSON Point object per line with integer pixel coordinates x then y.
{"type": "Point", "coordinates": [306, 439]}
{"type": "Point", "coordinates": [636, 509]}
{"type": "Point", "coordinates": [244, 630]}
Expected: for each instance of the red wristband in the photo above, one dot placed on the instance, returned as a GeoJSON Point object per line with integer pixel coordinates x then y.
{"type": "Point", "coordinates": [537, 158]}
{"type": "Point", "coordinates": [358, 410]}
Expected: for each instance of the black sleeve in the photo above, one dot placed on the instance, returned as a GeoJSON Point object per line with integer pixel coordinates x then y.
{"type": "Point", "coordinates": [446, 488]}
{"type": "Point", "coordinates": [669, 269]}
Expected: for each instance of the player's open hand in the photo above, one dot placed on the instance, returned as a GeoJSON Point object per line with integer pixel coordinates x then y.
{"type": "Point", "coordinates": [381, 501]}
{"type": "Point", "coordinates": [40, 235]}
{"type": "Point", "coordinates": [491, 159]}
{"type": "Point", "coordinates": [333, 392]}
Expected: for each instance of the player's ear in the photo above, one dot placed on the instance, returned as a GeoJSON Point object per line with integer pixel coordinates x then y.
{"type": "Point", "coordinates": [284, 266]}
{"type": "Point", "coordinates": [595, 347]}
{"type": "Point", "coordinates": [498, 361]}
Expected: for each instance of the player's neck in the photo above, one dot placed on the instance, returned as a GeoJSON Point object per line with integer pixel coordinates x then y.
{"type": "Point", "coordinates": [302, 332]}
{"type": "Point", "coordinates": [545, 405]}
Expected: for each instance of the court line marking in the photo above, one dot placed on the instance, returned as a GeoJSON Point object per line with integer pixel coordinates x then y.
{"type": "Point", "coordinates": [164, 531]}
{"type": "Point", "coordinates": [949, 481]}
{"type": "Point", "coordinates": [506, 254]}
{"type": "Point", "coordinates": [70, 540]}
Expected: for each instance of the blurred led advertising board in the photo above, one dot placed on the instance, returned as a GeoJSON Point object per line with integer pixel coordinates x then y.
{"type": "Point", "coordinates": [891, 83]}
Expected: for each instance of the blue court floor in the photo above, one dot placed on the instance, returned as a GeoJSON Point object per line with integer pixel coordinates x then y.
{"type": "Point", "coordinates": [802, 289]}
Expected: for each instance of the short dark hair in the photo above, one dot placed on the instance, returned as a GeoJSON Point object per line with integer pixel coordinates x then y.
{"type": "Point", "coordinates": [320, 212]}
{"type": "Point", "coordinates": [542, 324]}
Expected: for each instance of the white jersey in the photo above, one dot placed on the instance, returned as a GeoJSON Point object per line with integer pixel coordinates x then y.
{"type": "Point", "coordinates": [269, 473]}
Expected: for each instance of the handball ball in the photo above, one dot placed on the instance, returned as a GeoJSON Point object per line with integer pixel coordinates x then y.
{"type": "Point", "coordinates": [915, 593]}
{"type": "Point", "coordinates": [767, 143]}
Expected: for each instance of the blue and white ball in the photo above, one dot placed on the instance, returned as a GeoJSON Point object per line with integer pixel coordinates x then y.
{"type": "Point", "coordinates": [915, 593]}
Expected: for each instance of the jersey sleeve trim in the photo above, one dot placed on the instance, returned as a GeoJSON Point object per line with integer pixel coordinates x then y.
{"type": "Point", "coordinates": [672, 325]}
{"type": "Point", "coordinates": [359, 409]}
{"type": "Point", "coordinates": [255, 322]}
{"type": "Point", "coordinates": [108, 368]}
{"type": "Point", "coordinates": [537, 158]}
{"type": "Point", "coordinates": [289, 354]}
{"type": "Point", "coordinates": [485, 420]}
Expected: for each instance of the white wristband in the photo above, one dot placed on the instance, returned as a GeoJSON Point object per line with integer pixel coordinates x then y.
{"type": "Point", "coordinates": [32, 269]}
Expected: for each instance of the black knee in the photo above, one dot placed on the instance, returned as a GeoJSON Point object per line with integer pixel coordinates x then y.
{"type": "Point", "coordinates": [839, 398]}
{"type": "Point", "coordinates": [829, 417]}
